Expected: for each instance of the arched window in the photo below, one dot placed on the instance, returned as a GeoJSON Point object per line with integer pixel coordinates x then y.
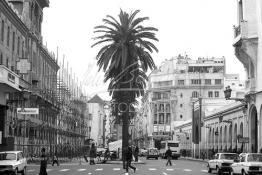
{"type": "Point", "coordinates": [235, 134]}
{"type": "Point", "coordinates": [195, 94]}
{"type": "Point", "coordinates": [225, 135]}
{"type": "Point", "coordinates": [241, 129]}
{"type": "Point", "coordinates": [230, 135]}
{"type": "Point", "coordinates": [220, 135]}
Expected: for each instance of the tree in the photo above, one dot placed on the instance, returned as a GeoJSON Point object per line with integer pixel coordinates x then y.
{"type": "Point", "coordinates": [125, 57]}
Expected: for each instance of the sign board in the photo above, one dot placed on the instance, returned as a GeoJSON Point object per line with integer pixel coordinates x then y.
{"type": "Point", "coordinates": [23, 66]}
{"type": "Point", "coordinates": [27, 111]}
{"type": "Point", "coordinates": [155, 128]}
{"type": "Point", "coordinates": [243, 140]}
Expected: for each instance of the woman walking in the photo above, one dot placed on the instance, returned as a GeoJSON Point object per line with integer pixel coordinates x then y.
{"type": "Point", "coordinates": [129, 157]}
{"type": "Point", "coordinates": [43, 163]}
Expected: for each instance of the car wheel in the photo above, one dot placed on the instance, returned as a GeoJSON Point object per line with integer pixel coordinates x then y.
{"type": "Point", "coordinates": [219, 171]}
{"type": "Point", "coordinates": [15, 172]}
{"type": "Point", "coordinates": [243, 172]}
{"type": "Point", "coordinates": [231, 172]}
{"type": "Point", "coordinates": [24, 171]}
{"type": "Point", "coordinates": [209, 169]}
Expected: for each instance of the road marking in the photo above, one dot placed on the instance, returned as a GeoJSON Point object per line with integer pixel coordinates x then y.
{"type": "Point", "coordinates": [99, 169]}
{"type": "Point", "coordinates": [204, 171]}
{"type": "Point", "coordinates": [89, 173]}
{"type": "Point", "coordinates": [47, 170]}
{"type": "Point", "coordinates": [116, 169]}
{"type": "Point", "coordinates": [164, 173]}
{"type": "Point", "coordinates": [170, 169]}
{"type": "Point", "coordinates": [152, 169]}
{"type": "Point", "coordinates": [187, 170]}
{"type": "Point", "coordinates": [81, 169]}
{"type": "Point", "coordinates": [30, 170]}
{"type": "Point", "coordinates": [126, 173]}
{"type": "Point", "coordinates": [64, 170]}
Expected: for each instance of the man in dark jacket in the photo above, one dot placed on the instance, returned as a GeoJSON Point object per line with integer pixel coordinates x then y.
{"type": "Point", "coordinates": [129, 157]}
{"type": "Point", "coordinates": [168, 155]}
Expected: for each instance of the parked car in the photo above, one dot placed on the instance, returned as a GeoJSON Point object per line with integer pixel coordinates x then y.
{"type": "Point", "coordinates": [247, 163]}
{"type": "Point", "coordinates": [142, 152]}
{"type": "Point", "coordinates": [152, 153]}
{"type": "Point", "coordinates": [221, 162]}
{"type": "Point", "coordinates": [12, 162]}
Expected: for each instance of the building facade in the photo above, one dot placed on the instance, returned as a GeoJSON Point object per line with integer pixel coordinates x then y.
{"type": "Point", "coordinates": [174, 87]}
{"type": "Point", "coordinates": [247, 43]}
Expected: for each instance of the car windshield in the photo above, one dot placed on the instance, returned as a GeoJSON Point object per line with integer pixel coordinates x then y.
{"type": "Point", "coordinates": [228, 156]}
{"type": "Point", "coordinates": [173, 144]}
{"type": "Point", "coordinates": [254, 158]}
{"type": "Point", "coordinates": [7, 156]}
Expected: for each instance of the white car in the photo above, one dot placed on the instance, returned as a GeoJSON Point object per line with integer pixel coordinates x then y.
{"type": "Point", "coordinates": [221, 162]}
{"type": "Point", "coordinates": [247, 163]}
{"type": "Point", "coordinates": [12, 162]}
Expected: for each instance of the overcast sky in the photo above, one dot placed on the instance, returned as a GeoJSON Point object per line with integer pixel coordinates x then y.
{"type": "Point", "coordinates": [199, 28]}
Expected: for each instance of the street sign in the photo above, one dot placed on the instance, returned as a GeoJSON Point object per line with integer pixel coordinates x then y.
{"type": "Point", "coordinates": [243, 140]}
{"type": "Point", "coordinates": [27, 111]}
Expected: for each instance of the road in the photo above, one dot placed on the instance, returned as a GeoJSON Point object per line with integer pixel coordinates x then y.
{"type": "Point", "coordinates": [152, 167]}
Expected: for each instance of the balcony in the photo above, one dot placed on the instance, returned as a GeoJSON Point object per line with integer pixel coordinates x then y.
{"type": "Point", "coordinates": [8, 79]}
{"type": "Point", "coordinates": [240, 32]}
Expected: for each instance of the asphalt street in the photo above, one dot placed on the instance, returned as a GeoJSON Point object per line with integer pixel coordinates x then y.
{"type": "Point", "coordinates": [151, 167]}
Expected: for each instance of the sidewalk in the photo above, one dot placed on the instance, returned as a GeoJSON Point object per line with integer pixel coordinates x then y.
{"type": "Point", "coordinates": [194, 159]}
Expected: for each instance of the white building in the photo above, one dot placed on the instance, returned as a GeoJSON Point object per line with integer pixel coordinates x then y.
{"type": "Point", "coordinates": [97, 116]}
{"type": "Point", "coordinates": [174, 87]}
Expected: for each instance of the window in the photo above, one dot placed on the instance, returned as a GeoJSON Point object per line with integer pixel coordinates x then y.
{"type": "Point", "coordinates": [168, 118]}
{"type": "Point", "coordinates": [7, 62]}
{"type": "Point", "coordinates": [181, 105]}
{"type": "Point", "coordinates": [1, 58]}
{"type": "Point", "coordinates": [13, 42]}
{"type": "Point", "coordinates": [18, 46]}
{"type": "Point", "coordinates": [8, 36]}
{"type": "Point", "coordinates": [23, 43]}
{"type": "Point", "coordinates": [195, 81]}
{"type": "Point", "coordinates": [210, 94]}
{"type": "Point", "coordinates": [216, 93]}
{"type": "Point", "coordinates": [208, 81]}
{"type": "Point", "coordinates": [155, 119]}
{"type": "Point", "coordinates": [181, 95]}
{"type": "Point", "coordinates": [195, 94]}
{"type": "Point", "coordinates": [2, 31]}
{"type": "Point", "coordinates": [181, 116]}
{"type": "Point", "coordinates": [161, 118]}
{"type": "Point", "coordinates": [218, 81]}
{"type": "Point", "coordinates": [181, 82]}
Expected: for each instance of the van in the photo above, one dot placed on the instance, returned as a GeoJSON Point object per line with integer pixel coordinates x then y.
{"type": "Point", "coordinates": [174, 147]}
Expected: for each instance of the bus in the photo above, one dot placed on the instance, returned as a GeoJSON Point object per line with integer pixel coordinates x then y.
{"type": "Point", "coordinates": [174, 147]}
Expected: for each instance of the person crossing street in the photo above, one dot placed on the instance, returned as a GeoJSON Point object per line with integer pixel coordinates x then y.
{"type": "Point", "coordinates": [168, 155]}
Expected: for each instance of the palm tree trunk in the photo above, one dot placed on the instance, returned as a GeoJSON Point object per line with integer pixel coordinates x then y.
{"type": "Point", "coordinates": [125, 135]}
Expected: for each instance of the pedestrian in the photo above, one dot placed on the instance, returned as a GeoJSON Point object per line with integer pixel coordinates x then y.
{"type": "Point", "coordinates": [136, 153]}
{"type": "Point", "coordinates": [55, 160]}
{"type": "Point", "coordinates": [168, 155]}
{"type": "Point", "coordinates": [129, 157]}
{"type": "Point", "coordinates": [92, 154]}
{"type": "Point", "coordinates": [43, 163]}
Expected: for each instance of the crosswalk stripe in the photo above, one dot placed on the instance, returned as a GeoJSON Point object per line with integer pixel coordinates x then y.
{"type": "Point", "coordinates": [81, 169]}
{"type": "Point", "coordinates": [89, 173]}
{"type": "Point", "coordinates": [170, 169]}
{"type": "Point", "coordinates": [116, 169]}
{"type": "Point", "coordinates": [204, 171]}
{"type": "Point", "coordinates": [164, 173]}
{"type": "Point", "coordinates": [187, 170]}
{"type": "Point", "coordinates": [48, 170]}
{"type": "Point", "coordinates": [152, 169]}
{"type": "Point", "coordinates": [99, 169]}
{"type": "Point", "coordinates": [64, 169]}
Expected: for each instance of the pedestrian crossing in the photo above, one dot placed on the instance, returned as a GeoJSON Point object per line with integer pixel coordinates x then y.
{"type": "Point", "coordinates": [114, 169]}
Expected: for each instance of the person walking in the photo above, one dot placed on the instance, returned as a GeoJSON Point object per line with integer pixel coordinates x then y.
{"type": "Point", "coordinates": [136, 153]}
{"type": "Point", "coordinates": [129, 157]}
{"type": "Point", "coordinates": [43, 163]}
{"type": "Point", "coordinates": [55, 160]}
{"type": "Point", "coordinates": [92, 154]}
{"type": "Point", "coordinates": [168, 155]}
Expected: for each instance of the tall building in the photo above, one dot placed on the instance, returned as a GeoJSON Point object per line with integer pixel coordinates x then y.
{"type": "Point", "coordinates": [248, 49]}
{"type": "Point", "coordinates": [174, 87]}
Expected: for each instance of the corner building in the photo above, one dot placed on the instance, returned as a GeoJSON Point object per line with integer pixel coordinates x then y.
{"type": "Point", "coordinates": [21, 39]}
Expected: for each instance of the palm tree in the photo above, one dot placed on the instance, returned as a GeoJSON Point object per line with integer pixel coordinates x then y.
{"type": "Point", "coordinates": [125, 57]}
